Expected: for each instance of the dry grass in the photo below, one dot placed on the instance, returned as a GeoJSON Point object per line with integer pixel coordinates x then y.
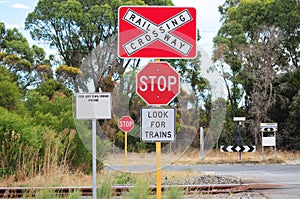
{"type": "Point", "coordinates": [217, 157]}
{"type": "Point", "coordinates": [53, 178]}
{"type": "Point", "coordinates": [63, 177]}
{"type": "Point", "coordinates": [212, 157]}
{"type": "Point", "coordinates": [58, 178]}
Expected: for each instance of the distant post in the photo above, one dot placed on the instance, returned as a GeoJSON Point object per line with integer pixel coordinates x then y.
{"type": "Point", "coordinates": [202, 143]}
{"type": "Point", "coordinates": [239, 120]}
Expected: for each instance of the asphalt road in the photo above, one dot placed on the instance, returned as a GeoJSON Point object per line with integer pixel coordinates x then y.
{"type": "Point", "coordinates": [286, 175]}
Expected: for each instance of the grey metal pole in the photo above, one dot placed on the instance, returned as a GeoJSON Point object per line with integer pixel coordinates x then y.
{"type": "Point", "coordinates": [94, 154]}
{"type": "Point", "coordinates": [202, 143]}
{"type": "Point", "coordinates": [239, 138]}
{"type": "Point", "coordinates": [275, 145]}
{"type": "Point", "coordinates": [262, 146]}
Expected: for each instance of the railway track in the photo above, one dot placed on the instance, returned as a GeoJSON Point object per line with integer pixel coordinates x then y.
{"type": "Point", "coordinates": [19, 192]}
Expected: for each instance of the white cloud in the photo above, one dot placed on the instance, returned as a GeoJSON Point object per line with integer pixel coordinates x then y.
{"type": "Point", "coordinates": [21, 6]}
{"type": "Point", "coordinates": [3, 1]}
{"type": "Point", "coordinates": [11, 26]}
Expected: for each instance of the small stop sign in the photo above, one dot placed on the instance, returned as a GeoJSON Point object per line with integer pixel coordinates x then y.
{"type": "Point", "coordinates": [158, 83]}
{"type": "Point", "coordinates": [126, 124]}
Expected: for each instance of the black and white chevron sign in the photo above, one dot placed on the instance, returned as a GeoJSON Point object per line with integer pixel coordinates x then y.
{"type": "Point", "coordinates": [237, 148]}
{"type": "Point", "coordinates": [268, 127]}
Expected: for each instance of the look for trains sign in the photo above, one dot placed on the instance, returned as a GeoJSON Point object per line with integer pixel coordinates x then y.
{"type": "Point", "coordinates": [157, 32]}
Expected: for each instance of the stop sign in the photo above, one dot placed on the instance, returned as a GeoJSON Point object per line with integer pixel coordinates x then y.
{"type": "Point", "coordinates": [157, 83]}
{"type": "Point", "coordinates": [126, 124]}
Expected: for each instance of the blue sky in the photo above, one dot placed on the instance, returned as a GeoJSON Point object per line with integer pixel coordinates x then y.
{"type": "Point", "coordinates": [14, 12]}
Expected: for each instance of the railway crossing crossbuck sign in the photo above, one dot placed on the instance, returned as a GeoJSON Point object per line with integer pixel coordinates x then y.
{"type": "Point", "coordinates": [157, 31]}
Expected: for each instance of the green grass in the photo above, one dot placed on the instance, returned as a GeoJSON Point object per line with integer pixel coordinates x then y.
{"type": "Point", "coordinates": [45, 194]}
{"type": "Point", "coordinates": [173, 193]}
{"type": "Point", "coordinates": [50, 194]}
{"type": "Point", "coordinates": [139, 191]}
{"type": "Point", "coordinates": [106, 189]}
{"type": "Point", "coordinates": [76, 194]}
{"type": "Point", "coordinates": [124, 178]}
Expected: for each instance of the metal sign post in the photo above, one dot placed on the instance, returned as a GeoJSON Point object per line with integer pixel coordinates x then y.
{"type": "Point", "coordinates": [93, 106]}
{"type": "Point", "coordinates": [158, 170]}
{"type": "Point", "coordinates": [94, 155]}
{"type": "Point", "coordinates": [125, 149]}
{"type": "Point", "coordinates": [239, 120]}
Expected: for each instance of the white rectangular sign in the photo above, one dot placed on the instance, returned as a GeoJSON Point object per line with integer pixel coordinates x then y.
{"type": "Point", "coordinates": [158, 124]}
{"type": "Point", "coordinates": [93, 106]}
{"type": "Point", "coordinates": [236, 119]}
{"type": "Point", "coordinates": [268, 125]}
{"type": "Point", "coordinates": [268, 141]}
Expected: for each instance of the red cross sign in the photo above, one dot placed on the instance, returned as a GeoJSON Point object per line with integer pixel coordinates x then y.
{"type": "Point", "coordinates": [157, 32]}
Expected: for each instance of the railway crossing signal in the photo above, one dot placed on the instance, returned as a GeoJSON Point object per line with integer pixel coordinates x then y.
{"type": "Point", "coordinates": [143, 33]}
{"type": "Point", "coordinates": [157, 32]}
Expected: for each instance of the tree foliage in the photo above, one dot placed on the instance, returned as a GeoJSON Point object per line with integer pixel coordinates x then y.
{"type": "Point", "coordinates": [77, 28]}
{"type": "Point", "coordinates": [258, 42]}
{"type": "Point", "coordinates": [35, 111]}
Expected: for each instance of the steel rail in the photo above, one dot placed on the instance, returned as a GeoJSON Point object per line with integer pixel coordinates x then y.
{"type": "Point", "coordinates": [17, 192]}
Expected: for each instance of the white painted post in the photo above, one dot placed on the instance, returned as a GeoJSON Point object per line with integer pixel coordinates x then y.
{"type": "Point", "coordinates": [262, 146]}
{"type": "Point", "coordinates": [94, 154]}
{"type": "Point", "coordinates": [275, 145]}
{"type": "Point", "coordinates": [202, 143]}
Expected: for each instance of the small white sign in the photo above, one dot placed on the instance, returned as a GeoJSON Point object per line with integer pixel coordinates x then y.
{"type": "Point", "coordinates": [93, 106]}
{"type": "Point", "coordinates": [268, 141]}
{"type": "Point", "coordinates": [237, 119]}
{"type": "Point", "coordinates": [158, 124]}
{"type": "Point", "coordinates": [268, 125]}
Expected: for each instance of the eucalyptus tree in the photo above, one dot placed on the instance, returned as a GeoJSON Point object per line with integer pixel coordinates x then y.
{"type": "Point", "coordinates": [28, 64]}
{"type": "Point", "coordinates": [80, 30]}
{"type": "Point", "coordinates": [294, 123]}
{"type": "Point", "coordinates": [258, 40]}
